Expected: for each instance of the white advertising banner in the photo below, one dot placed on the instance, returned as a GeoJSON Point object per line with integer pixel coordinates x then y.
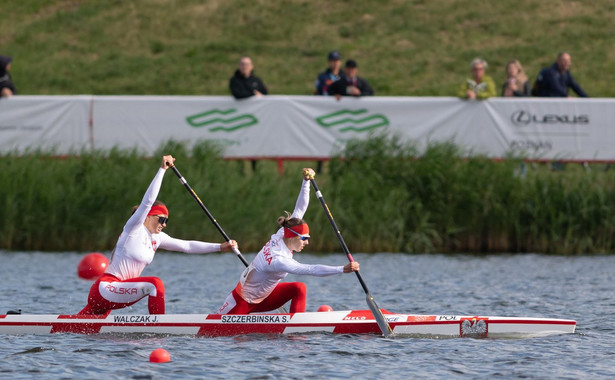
{"type": "Point", "coordinates": [57, 124]}
{"type": "Point", "coordinates": [282, 126]}
{"type": "Point", "coordinates": [563, 129]}
{"type": "Point", "coordinates": [312, 127]}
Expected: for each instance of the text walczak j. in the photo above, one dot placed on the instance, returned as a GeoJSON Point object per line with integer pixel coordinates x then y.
{"type": "Point", "coordinates": [135, 318]}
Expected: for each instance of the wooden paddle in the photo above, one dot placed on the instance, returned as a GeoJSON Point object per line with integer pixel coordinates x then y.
{"type": "Point", "coordinates": [213, 220]}
{"type": "Point", "coordinates": [382, 323]}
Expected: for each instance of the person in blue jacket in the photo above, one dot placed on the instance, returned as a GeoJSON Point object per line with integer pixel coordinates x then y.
{"type": "Point", "coordinates": [554, 81]}
{"type": "Point", "coordinates": [333, 73]}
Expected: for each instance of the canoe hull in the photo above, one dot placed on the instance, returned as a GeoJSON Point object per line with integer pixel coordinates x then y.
{"type": "Point", "coordinates": [337, 322]}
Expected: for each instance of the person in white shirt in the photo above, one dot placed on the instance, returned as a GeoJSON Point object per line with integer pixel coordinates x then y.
{"type": "Point", "coordinates": [260, 288]}
{"type": "Point", "coordinates": [120, 286]}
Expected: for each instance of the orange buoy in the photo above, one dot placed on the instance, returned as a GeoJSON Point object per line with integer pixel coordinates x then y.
{"type": "Point", "coordinates": [325, 308]}
{"type": "Point", "coordinates": [159, 355]}
{"type": "Point", "coordinates": [92, 266]}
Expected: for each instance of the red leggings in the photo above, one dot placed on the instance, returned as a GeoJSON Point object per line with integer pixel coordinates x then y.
{"type": "Point", "coordinates": [295, 292]}
{"type": "Point", "coordinates": [109, 293]}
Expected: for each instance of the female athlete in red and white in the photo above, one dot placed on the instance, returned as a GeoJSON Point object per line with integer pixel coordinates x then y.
{"type": "Point", "coordinates": [259, 288]}
{"type": "Point", "coordinates": [120, 286]}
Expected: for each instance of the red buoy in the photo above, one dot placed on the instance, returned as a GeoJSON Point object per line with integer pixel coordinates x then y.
{"type": "Point", "coordinates": [325, 308]}
{"type": "Point", "coordinates": [159, 355]}
{"type": "Point", "coordinates": [92, 266]}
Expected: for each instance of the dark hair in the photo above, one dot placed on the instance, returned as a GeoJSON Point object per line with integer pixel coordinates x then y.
{"type": "Point", "coordinates": [287, 221]}
{"type": "Point", "coordinates": [156, 203]}
{"type": "Point", "coordinates": [351, 63]}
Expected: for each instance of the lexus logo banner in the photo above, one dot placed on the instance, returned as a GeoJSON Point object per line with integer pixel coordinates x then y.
{"type": "Point", "coordinates": [310, 127]}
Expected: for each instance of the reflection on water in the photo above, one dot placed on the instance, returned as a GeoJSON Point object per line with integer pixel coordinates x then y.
{"type": "Point", "coordinates": [509, 285]}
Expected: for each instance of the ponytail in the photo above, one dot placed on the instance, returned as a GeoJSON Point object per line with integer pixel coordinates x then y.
{"type": "Point", "coordinates": [287, 221]}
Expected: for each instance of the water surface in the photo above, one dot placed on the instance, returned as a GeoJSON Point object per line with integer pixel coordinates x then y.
{"type": "Point", "coordinates": [530, 285]}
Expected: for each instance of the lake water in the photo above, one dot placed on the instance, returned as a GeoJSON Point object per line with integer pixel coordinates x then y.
{"type": "Point", "coordinates": [530, 285]}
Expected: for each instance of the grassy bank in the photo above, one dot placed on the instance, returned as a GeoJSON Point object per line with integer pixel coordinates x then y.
{"type": "Point", "coordinates": [382, 196]}
{"type": "Point", "coordinates": [413, 48]}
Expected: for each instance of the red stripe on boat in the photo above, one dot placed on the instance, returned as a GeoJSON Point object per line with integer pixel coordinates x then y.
{"type": "Point", "coordinates": [533, 322]}
{"type": "Point", "coordinates": [241, 329]}
{"type": "Point", "coordinates": [358, 328]}
{"type": "Point", "coordinates": [76, 328]}
{"type": "Point", "coordinates": [421, 318]}
{"type": "Point", "coordinates": [359, 315]}
{"type": "Point", "coordinates": [75, 316]}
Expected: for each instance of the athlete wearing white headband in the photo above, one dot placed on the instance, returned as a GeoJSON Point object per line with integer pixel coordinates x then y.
{"type": "Point", "coordinates": [260, 288]}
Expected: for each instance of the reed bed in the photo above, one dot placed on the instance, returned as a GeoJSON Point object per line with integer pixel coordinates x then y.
{"type": "Point", "coordinates": [385, 196]}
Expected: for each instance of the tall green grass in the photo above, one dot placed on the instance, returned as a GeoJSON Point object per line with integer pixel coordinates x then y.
{"type": "Point", "coordinates": [384, 195]}
{"type": "Point", "coordinates": [443, 200]}
{"type": "Point", "coordinates": [82, 202]}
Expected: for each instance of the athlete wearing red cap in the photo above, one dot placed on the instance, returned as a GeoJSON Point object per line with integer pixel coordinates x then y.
{"type": "Point", "coordinates": [259, 288]}
{"type": "Point", "coordinates": [120, 285]}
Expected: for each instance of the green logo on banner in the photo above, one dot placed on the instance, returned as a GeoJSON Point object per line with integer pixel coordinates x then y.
{"type": "Point", "coordinates": [222, 120]}
{"type": "Point", "coordinates": [357, 121]}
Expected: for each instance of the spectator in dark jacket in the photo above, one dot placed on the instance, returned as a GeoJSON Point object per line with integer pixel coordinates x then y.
{"type": "Point", "coordinates": [7, 88]}
{"type": "Point", "coordinates": [555, 81]}
{"type": "Point", "coordinates": [333, 73]}
{"type": "Point", "coordinates": [244, 84]}
{"type": "Point", "coordinates": [350, 84]}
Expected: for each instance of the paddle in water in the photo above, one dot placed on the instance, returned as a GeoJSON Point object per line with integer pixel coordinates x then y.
{"type": "Point", "coordinates": [382, 322]}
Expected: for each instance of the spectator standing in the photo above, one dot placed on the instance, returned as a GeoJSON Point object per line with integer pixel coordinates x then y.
{"type": "Point", "coordinates": [480, 86]}
{"type": "Point", "coordinates": [244, 84]}
{"type": "Point", "coordinates": [516, 81]}
{"type": "Point", "coordinates": [350, 83]}
{"type": "Point", "coordinates": [7, 88]}
{"type": "Point", "coordinates": [554, 81]}
{"type": "Point", "coordinates": [330, 75]}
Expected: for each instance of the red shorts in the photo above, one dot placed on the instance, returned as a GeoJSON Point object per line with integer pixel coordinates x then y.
{"type": "Point", "coordinates": [295, 292]}
{"type": "Point", "coordinates": [109, 293]}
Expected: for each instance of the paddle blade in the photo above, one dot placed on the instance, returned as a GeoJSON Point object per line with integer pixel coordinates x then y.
{"type": "Point", "coordinates": [382, 322]}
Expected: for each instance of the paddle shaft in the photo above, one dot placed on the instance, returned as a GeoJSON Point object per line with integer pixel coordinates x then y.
{"type": "Point", "coordinates": [213, 220]}
{"type": "Point", "coordinates": [337, 232]}
{"type": "Point", "coordinates": [183, 181]}
{"type": "Point", "coordinates": [382, 323]}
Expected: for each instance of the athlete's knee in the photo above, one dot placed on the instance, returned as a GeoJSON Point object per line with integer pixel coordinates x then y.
{"type": "Point", "coordinates": [158, 286]}
{"type": "Point", "coordinates": [300, 288]}
{"type": "Point", "coordinates": [158, 283]}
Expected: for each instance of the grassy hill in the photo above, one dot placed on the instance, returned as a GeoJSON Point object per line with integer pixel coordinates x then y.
{"type": "Point", "coordinates": [190, 47]}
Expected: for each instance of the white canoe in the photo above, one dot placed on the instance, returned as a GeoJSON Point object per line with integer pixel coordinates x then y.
{"type": "Point", "coordinates": [338, 322]}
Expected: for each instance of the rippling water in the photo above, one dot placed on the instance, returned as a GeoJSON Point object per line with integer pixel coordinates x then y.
{"type": "Point", "coordinates": [508, 285]}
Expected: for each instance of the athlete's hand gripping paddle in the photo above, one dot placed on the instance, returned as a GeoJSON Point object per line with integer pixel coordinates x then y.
{"type": "Point", "coordinates": [382, 323]}
{"type": "Point", "coordinates": [183, 181]}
